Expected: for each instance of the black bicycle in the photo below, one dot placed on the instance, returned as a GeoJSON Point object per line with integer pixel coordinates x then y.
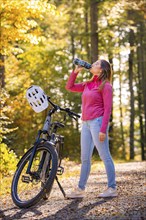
{"type": "Point", "coordinates": [40, 165]}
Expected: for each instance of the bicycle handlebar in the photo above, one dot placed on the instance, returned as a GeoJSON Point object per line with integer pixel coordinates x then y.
{"type": "Point", "coordinates": [70, 112]}
{"type": "Point", "coordinates": [67, 110]}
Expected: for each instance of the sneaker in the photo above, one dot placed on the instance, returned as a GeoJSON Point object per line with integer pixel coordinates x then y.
{"type": "Point", "coordinates": [77, 193]}
{"type": "Point", "coordinates": [110, 192]}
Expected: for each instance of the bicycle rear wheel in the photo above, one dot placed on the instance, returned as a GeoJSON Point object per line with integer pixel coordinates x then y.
{"type": "Point", "coordinates": [28, 189]}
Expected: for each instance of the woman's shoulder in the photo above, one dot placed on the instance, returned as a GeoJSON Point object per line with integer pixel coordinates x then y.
{"type": "Point", "coordinates": [107, 86]}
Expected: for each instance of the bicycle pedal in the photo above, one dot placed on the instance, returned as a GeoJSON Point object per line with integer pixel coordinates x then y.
{"type": "Point", "coordinates": [45, 196]}
{"type": "Point", "coordinates": [60, 170]}
{"type": "Point", "coordinates": [26, 179]}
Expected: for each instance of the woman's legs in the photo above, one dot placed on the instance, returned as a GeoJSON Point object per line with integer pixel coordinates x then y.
{"type": "Point", "coordinates": [89, 138]}
{"type": "Point", "coordinates": [86, 153]}
{"type": "Point", "coordinates": [103, 150]}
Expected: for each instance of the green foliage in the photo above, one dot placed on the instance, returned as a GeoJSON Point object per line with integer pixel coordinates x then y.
{"type": "Point", "coordinates": [19, 22]}
{"type": "Point", "coordinates": [5, 122]}
{"type": "Point", "coordinates": [8, 160]}
{"type": "Point", "coordinates": [41, 41]}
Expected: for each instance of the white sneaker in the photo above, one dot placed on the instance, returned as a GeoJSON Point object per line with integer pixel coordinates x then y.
{"type": "Point", "coordinates": [110, 192]}
{"type": "Point", "coordinates": [77, 193]}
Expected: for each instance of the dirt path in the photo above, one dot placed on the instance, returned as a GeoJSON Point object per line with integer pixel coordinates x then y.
{"type": "Point", "coordinates": [130, 204]}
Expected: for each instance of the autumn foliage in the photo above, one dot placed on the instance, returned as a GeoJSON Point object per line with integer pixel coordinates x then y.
{"type": "Point", "coordinates": [39, 41]}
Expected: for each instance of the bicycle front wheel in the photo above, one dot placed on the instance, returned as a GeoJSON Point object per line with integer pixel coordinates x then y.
{"type": "Point", "coordinates": [28, 189]}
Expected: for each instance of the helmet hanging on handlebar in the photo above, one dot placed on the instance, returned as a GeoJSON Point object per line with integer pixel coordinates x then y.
{"type": "Point", "coordinates": [37, 98]}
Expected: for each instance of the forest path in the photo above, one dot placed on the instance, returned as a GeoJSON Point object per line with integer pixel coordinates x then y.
{"type": "Point", "coordinates": [129, 205]}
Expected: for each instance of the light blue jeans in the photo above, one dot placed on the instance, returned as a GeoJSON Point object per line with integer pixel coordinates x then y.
{"type": "Point", "coordinates": [89, 139]}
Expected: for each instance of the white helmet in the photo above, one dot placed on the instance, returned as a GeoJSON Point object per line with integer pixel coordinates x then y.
{"type": "Point", "coordinates": [37, 98]}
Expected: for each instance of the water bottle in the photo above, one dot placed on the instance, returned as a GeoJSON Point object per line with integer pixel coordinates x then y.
{"type": "Point", "coordinates": [82, 63]}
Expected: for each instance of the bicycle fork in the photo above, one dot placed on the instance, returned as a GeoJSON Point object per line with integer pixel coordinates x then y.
{"type": "Point", "coordinates": [37, 142]}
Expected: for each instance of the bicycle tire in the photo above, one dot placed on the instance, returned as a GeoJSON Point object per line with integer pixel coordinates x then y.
{"type": "Point", "coordinates": [50, 175]}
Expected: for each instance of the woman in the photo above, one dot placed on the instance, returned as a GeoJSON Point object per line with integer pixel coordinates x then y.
{"type": "Point", "coordinates": [96, 110]}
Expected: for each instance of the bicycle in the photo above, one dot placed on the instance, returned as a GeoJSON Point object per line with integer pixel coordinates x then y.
{"type": "Point", "coordinates": [40, 165]}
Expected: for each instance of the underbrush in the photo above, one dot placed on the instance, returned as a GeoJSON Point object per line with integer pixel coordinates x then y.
{"type": "Point", "coordinates": [8, 162]}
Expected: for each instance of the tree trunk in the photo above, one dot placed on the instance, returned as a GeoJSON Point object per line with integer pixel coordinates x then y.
{"type": "Point", "coordinates": [94, 29]}
{"type": "Point", "coordinates": [121, 112]}
{"type": "Point", "coordinates": [143, 71]}
{"type": "Point", "coordinates": [87, 30]}
{"type": "Point", "coordinates": [72, 48]}
{"type": "Point", "coordinates": [141, 79]}
{"type": "Point", "coordinates": [140, 110]}
{"type": "Point", "coordinates": [132, 110]}
{"type": "Point", "coordinates": [2, 71]}
{"type": "Point", "coordinates": [111, 118]}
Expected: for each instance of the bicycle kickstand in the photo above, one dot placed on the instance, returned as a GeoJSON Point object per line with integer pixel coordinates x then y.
{"type": "Point", "coordinates": [61, 188]}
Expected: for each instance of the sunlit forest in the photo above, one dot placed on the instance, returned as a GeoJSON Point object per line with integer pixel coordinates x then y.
{"type": "Point", "coordinates": [39, 41]}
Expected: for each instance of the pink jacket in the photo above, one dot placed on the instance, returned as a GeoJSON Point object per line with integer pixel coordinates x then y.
{"type": "Point", "coordinates": [94, 103]}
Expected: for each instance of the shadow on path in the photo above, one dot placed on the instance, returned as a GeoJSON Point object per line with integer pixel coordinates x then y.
{"type": "Point", "coordinates": [20, 212]}
{"type": "Point", "coordinates": [73, 210]}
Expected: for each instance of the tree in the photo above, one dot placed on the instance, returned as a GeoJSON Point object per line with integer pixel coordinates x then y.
{"type": "Point", "coordinates": [19, 23]}
{"type": "Point", "coordinates": [19, 26]}
{"type": "Point", "coordinates": [132, 111]}
{"type": "Point", "coordinates": [39, 45]}
{"type": "Point", "coordinates": [141, 57]}
{"type": "Point", "coordinates": [94, 29]}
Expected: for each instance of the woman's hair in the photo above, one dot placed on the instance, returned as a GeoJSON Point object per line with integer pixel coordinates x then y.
{"type": "Point", "coordinates": [106, 74]}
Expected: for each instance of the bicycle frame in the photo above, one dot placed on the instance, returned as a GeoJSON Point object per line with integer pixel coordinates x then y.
{"type": "Point", "coordinates": [45, 131]}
